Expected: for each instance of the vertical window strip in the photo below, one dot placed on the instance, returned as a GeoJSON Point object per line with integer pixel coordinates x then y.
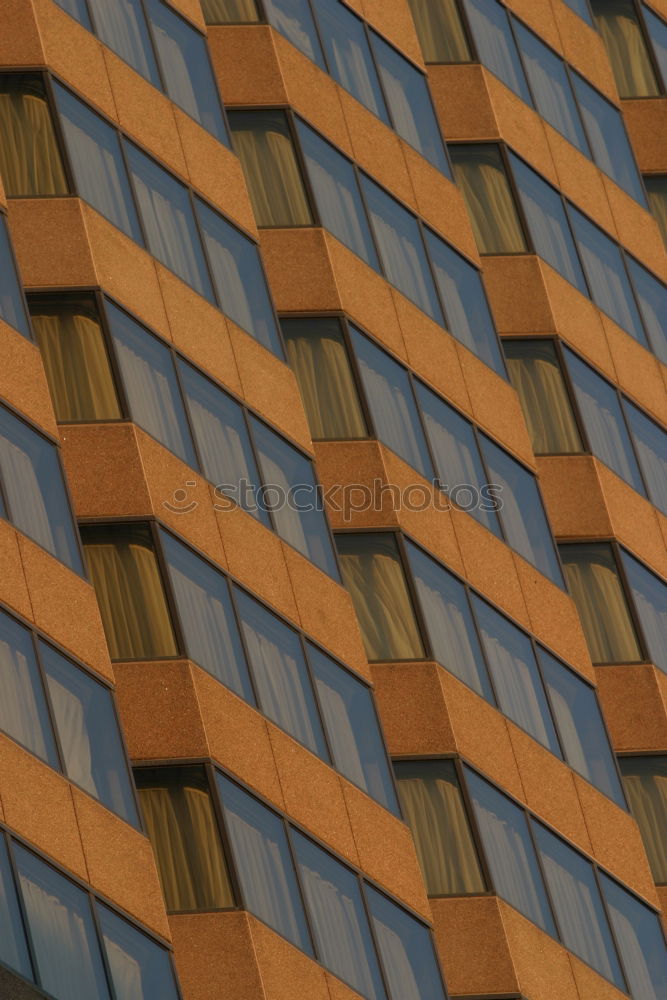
{"type": "Point", "coordinates": [12, 303]}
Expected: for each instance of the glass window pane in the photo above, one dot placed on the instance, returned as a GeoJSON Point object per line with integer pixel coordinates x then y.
{"type": "Point", "coordinates": [649, 593]}
{"type": "Point", "coordinates": [480, 173]}
{"type": "Point", "coordinates": [602, 416]}
{"type": "Point", "coordinates": [522, 511]}
{"type": "Point", "coordinates": [410, 103]}
{"type": "Point", "coordinates": [291, 494]}
{"type": "Point", "coordinates": [577, 905]}
{"type": "Point", "coordinates": [401, 248]}
{"type": "Point", "coordinates": [13, 948]}
{"type": "Point", "coordinates": [93, 753]}
{"type": "Point", "coordinates": [318, 355]}
{"type": "Point", "coordinates": [282, 681]}
{"type": "Point", "coordinates": [78, 10]}
{"type": "Point", "coordinates": [334, 184]}
{"type": "Point", "coordinates": [12, 310]}
{"type": "Point", "coordinates": [263, 143]}
{"type": "Point", "coordinates": [166, 213]}
{"type": "Point", "coordinates": [406, 948]}
{"type": "Point", "coordinates": [293, 19]}
{"type": "Point", "coordinates": [652, 297]}
{"type": "Point", "coordinates": [352, 728]}
{"type": "Point", "coordinates": [139, 967]}
{"type": "Point", "coordinates": [433, 807]}
{"type": "Point", "coordinates": [392, 403]}
{"type": "Point", "coordinates": [547, 221]}
{"type": "Point", "coordinates": [373, 573]}
{"type": "Point", "coordinates": [129, 591]}
{"type": "Point", "coordinates": [656, 189]}
{"type": "Point", "coordinates": [641, 941]}
{"type": "Point", "coordinates": [223, 441]}
{"type": "Point", "coordinates": [30, 161]}
{"type": "Point", "coordinates": [75, 358]}
{"type": "Point", "coordinates": [264, 865]}
{"type": "Point", "coordinates": [495, 45]}
{"type": "Point", "coordinates": [229, 11]}
{"type": "Point", "coordinates": [69, 963]}
{"type": "Point", "coordinates": [462, 292]}
{"type": "Point", "coordinates": [536, 375]}
{"type": "Point", "coordinates": [97, 162]}
{"type": "Point", "coordinates": [337, 917]}
{"type": "Point", "coordinates": [618, 24]}
{"type": "Point", "coordinates": [34, 489]}
{"type": "Point", "coordinates": [23, 712]}
{"type": "Point", "coordinates": [186, 68]}
{"type": "Point", "coordinates": [456, 455]}
{"type": "Point", "coordinates": [608, 139]}
{"type": "Point", "coordinates": [181, 824]}
{"type": "Point", "coordinates": [147, 370]}
{"type": "Point", "coordinates": [580, 726]}
{"type": "Point", "coordinates": [122, 26]}
{"type": "Point", "coordinates": [349, 55]}
{"type": "Point", "coordinates": [509, 852]}
{"type": "Point", "coordinates": [651, 445]}
{"type": "Point", "coordinates": [593, 582]}
{"type": "Point", "coordinates": [440, 31]}
{"type": "Point", "coordinates": [657, 29]}
{"type": "Point", "coordinates": [511, 659]}
{"type": "Point", "coordinates": [239, 279]}
{"type": "Point", "coordinates": [645, 781]}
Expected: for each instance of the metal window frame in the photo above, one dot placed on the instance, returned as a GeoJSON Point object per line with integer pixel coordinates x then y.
{"type": "Point", "coordinates": [14, 267]}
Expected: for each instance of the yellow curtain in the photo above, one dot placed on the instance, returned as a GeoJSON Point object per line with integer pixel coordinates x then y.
{"type": "Point", "coordinates": [274, 180]}
{"type": "Point", "coordinates": [77, 365]}
{"type": "Point", "coordinates": [481, 177]}
{"type": "Point", "coordinates": [622, 35]}
{"type": "Point", "coordinates": [545, 403]}
{"type": "Point", "coordinates": [229, 11]}
{"type": "Point", "coordinates": [30, 163]}
{"type": "Point", "coordinates": [645, 781]}
{"type": "Point", "coordinates": [440, 31]}
{"type": "Point", "coordinates": [656, 188]}
{"type": "Point", "coordinates": [327, 387]}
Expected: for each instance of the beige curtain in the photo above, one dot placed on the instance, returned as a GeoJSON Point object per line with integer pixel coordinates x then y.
{"type": "Point", "coordinates": [229, 11]}
{"type": "Point", "coordinates": [30, 163]}
{"type": "Point", "coordinates": [77, 365]}
{"type": "Point", "coordinates": [621, 33]}
{"type": "Point", "coordinates": [537, 378]}
{"type": "Point", "coordinates": [645, 781]}
{"type": "Point", "coordinates": [481, 177]}
{"type": "Point", "coordinates": [440, 31]}
{"type": "Point", "coordinates": [264, 146]}
{"type": "Point", "coordinates": [656, 188]}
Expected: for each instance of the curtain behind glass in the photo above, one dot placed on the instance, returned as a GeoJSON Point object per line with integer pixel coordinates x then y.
{"type": "Point", "coordinates": [645, 781]}
{"type": "Point", "coordinates": [294, 20]}
{"type": "Point", "coordinates": [652, 297]}
{"type": "Point", "coordinates": [617, 23]}
{"type": "Point", "coordinates": [30, 162]}
{"type": "Point", "coordinates": [650, 442]}
{"type": "Point", "coordinates": [122, 26]}
{"type": "Point", "coordinates": [23, 712]}
{"type": "Point", "coordinates": [12, 309]}
{"type": "Point", "coordinates": [140, 968]}
{"type": "Point", "coordinates": [656, 189]}
{"type": "Point", "coordinates": [649, 593]}
{"type": "Point", "coordinates": [496, 46]}
{"type": "Point", "coordinates": [13, 947]}
{"type": "Point", "coordinates": [229, 11]}
{"type": "Point", "coordinates": [349, 56]}
{"type": "Point", "coordinates": [440, 31]}
{"type": "Point", "coordinates": [535, 373]}
{"type": "Point", "coordinates": [406, 948]}
{"type": "Point", "coordinates": [641, 941]}
{"type": "Point", "coordinates": [480, 173]}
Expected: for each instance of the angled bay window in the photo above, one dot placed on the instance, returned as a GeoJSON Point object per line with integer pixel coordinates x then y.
{"type": "Point", "coordinates": [13, 944]}
{"type": "Point", "coordinates": [619, 24]}
{"type": "Point", "coordinates": [230, 11]}
{"type": "Point", "coordinates": [12, 306]}
{"type": "Point", "coordinates": [480, 172]}
{"type": "Point", "coordinates": [294, 19]}
{"type": "Point", "coordinates": [537, 376]}
{"type": "Point", "coordinates": [651, 295]}
{"type": "Point", "coordinates": [30, 161]}
{"type": "Point", "coordinates": [134, 958]}
{"type": "Point", "coordinates": [649, 596]}
{"type": "Point", "coordinates": [645, 781]}
{"type": "Point", "coordinates": [650, 441]}
{"type": "Point", "coordinates": [490, 25]}
{"type": "Point", "coordinates": [121, 25]}
{"type": "Point", "coordinates": [440, 31]}
{"type": "Point", "coordinates": [656, 28]}
{"type": "Point", "coordinates": [656, 189]}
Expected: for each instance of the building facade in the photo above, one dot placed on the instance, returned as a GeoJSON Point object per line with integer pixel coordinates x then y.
{"type": "Point", "coordinates": [333, 483]}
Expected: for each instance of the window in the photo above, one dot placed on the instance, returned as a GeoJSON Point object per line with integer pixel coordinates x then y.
{"type": "Point", "coordinates": [645, 781]}
{"type": "Point", "coordinates": [133, 957]}
{"type": "Point", "coordinates": [622, 34]}
{"type": "Point", "coordinates": [657, 32]}
{"type": "Point", "coordinates": [32, 490]}
{"type": "Point", "coordinates": [13, 946]}
{"type": "Point", "coordinates": [264, 145]}
{"type": "Point", "coordinates": [649, 594]}
{"type": "Point", "coordinates": [650, 441]}
{"type": "Point", "coordinates": [640, 939]}
{"type": "Point", "coordinates": [294, 20]}
{"type": "Point", "coordinates": [536, 375]}
{"type": "Point", "coordinates": [230, 11]}
{"type": "Point", "coordinates": [122, 26]}
{"type": "Point", "coordinates": [30, 162]}
{"type": "Point", "coordinates": [434, 809]}
{"type": "Point", "coordinates": [656, 189]}
{"type": "Point", "coordinates": [480, 173]}
{"type": "Point", "coordinates": [490, 25]}
{"type": "Point", "coordinates": [652, 299]}
{"type": "Point", "coordinates": [440, 31]}
{"type": "Point", "coordinates": [12, 308]}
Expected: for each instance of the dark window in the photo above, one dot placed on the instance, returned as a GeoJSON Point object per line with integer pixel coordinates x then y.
{"type": "Point", "coordinates": [650, 441]}
{"type": "Point", "coordinates": [13, 947]}
{"type": "Point", "coordinates": [649, 594]}
{"type": "Point", "coordinates": [30, 162]}
{"type": "Point", "coordinates": [657, 31]}
{"type": "Point", "coordinates": [652, 298]}
{"type": "Point", "coordinates": [645, 781]}
{"type": "Point", "coordinates": [134, 958]}
{"type": "Point", "coordinates": [641, 941]}
{"type": "Point", "coordinates": [406, 949]}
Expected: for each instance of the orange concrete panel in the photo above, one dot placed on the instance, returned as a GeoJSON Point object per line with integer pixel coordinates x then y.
{"type": "Point", "coordinates": [37, 803]}
{"type": "Point", "coordinates": [299, 270]}
{"type": "Point", "coordinates": [20, 42]}
{"type": "Point", "coordinates": [472, 945]}
{"type": "Point", "coordinates": [3, 196]}
{"type": "Point", "coordinates": [348, 470]}
{"type": "Point", "coordinates": [521, 127]}
{"type": "Point", "coordinates": [518, 295]}
{"type": "Point", "coordinates": [285, 971]}
{"type": "Point", "coordinates": [51, 242]}
{"type": "Point", "coordinates": [423, 728]}
{"type": "Point", "coordinates": [637, 229]}
{"type": "Point", "coordinates": [542, 965]}
{"type": "Point", "coordinates": [591, 985]}
{"type": "Point", "coordinates": [573, 496]}
{"type": "Point", "coordinates": [386, 849]}
{"type": "Point", "coordinates": [191, 9]}
{"type": "Point", "coordinates": [337, 988]}
{"type": "Point", "coordinates": [584, 49]}
{"type": "Point", "coordinates": [637, 370]}
{"type": "Point", "coordinates": [313, 794]}
{"type": "Point", "coordinates": [215, 956]}
{"type": "Point", "coordinates": [634, 705]}
{"type": "Point", "coordinates": [549, 788]}
{"type": "Point", "coordinates": [394, 20]}
{"type": "Point", "coordinates": [634, 520]}
{"type": "Point", "coordinates": [580, 180]}
{"type": "Point", "coordinates": [377, 149]}
{"type": "Point", "coordinates": [462, 102]}
{"type": "Point", "coordinates": [13, 586]}
{"type": "Point", "coordinates": [646, 122]}
{"type": "Point", "coordinates": [104, 470]}
{"type": "Point", "coordinates": [120, 862]}
{"type": "Point", "coordinates": [246, 64]}
{"type": "Point", "coordinates": [22, 379]}
{"type": "Point", "coordinates": [539, 15]}
{"type": "Point", "coordinates": [578, 320]}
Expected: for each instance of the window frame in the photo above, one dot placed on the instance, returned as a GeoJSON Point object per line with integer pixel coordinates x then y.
{"type": "Point", "coordinates": [29, 335]}
{"type": "Point", "coordinates": [648, 42]}
{"type": "Point", "coordinates": [642, 755]}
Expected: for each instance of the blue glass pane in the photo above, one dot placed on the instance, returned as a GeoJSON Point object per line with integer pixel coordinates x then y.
{"type": "Point", "coordinates": [293, 19]}
{"type": "Point", "coordinates": [463, 296]}
{"type": "Point", "coordinates": [580, 726]}
{"type": "Point", "coordinates": [12, 309]}
{"type": "Point", "coordinates": [151, 388]}
{"type": "Point", "coordinates": [547, 221]}
{"type": "Point", "coordinates": [657, 29]}
{"type": "Point", "coordinates": [410, 104]}
{"type": "Point", "coordinates": [406, 948]}
{"type": "Point", "coordinates": [280, 673]}
{"type": "Point", "coordinates": [34, 489]}
{"type": "Point", "coordinates": [207, 618]}
{"type": "Point", "coordinates": [334, 184]}
{"type": "Point", "coordinates": [292, 496]}
{"type": "Point", "coordinates": [641, 941]}
{"type": "Point", "coordinates": [577, 905]}
{"type": "Point", "coordinates": [652, 298]}
{"type": "Point", "coordinates": [13, 948]}
{"type": "Point", "coordinates": [77, 9]}
{"type": "Point", "coordinates": [401, 248]}
{"type": "Point", "coordinates": [608, 139]}
{"type": "Point", "coordinates": [456, 454]}
{"type": "Point", "coordinates": [121, 25]}
{"type": "Point", "coordinates": [186, 67]}
{"type": "Point", "coordinates": [392, 403]}
{"type": "Point", "coordinates": [264, 865]}
{"type": "Point", "coordinates": [651, 447]}
{"type": "Point", "coordinates": [349, 55]}
{"type": "Point", "coordinates": [444, 604]}
{"type": "Point", "coordinates": [352, 728]}
{"type": "Point", "coordinates": [511, 659]}
{"type": "Point", "coordinates": [239, 279]}
{"type": "Point", "coordinates": [649, 593]}
{"type": "Point", "coordinates": [495, 44]}
{"type": "Point", "coordinates": [580, 7]}
{"type": "Point", "coordinates": [140, 968]}
{"type": "Point", "coordinates": [333, 900]}
{"type": "Point", "coordinates": [97, 162]}
{"type": "Point", "coordinates": [87, 726]}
